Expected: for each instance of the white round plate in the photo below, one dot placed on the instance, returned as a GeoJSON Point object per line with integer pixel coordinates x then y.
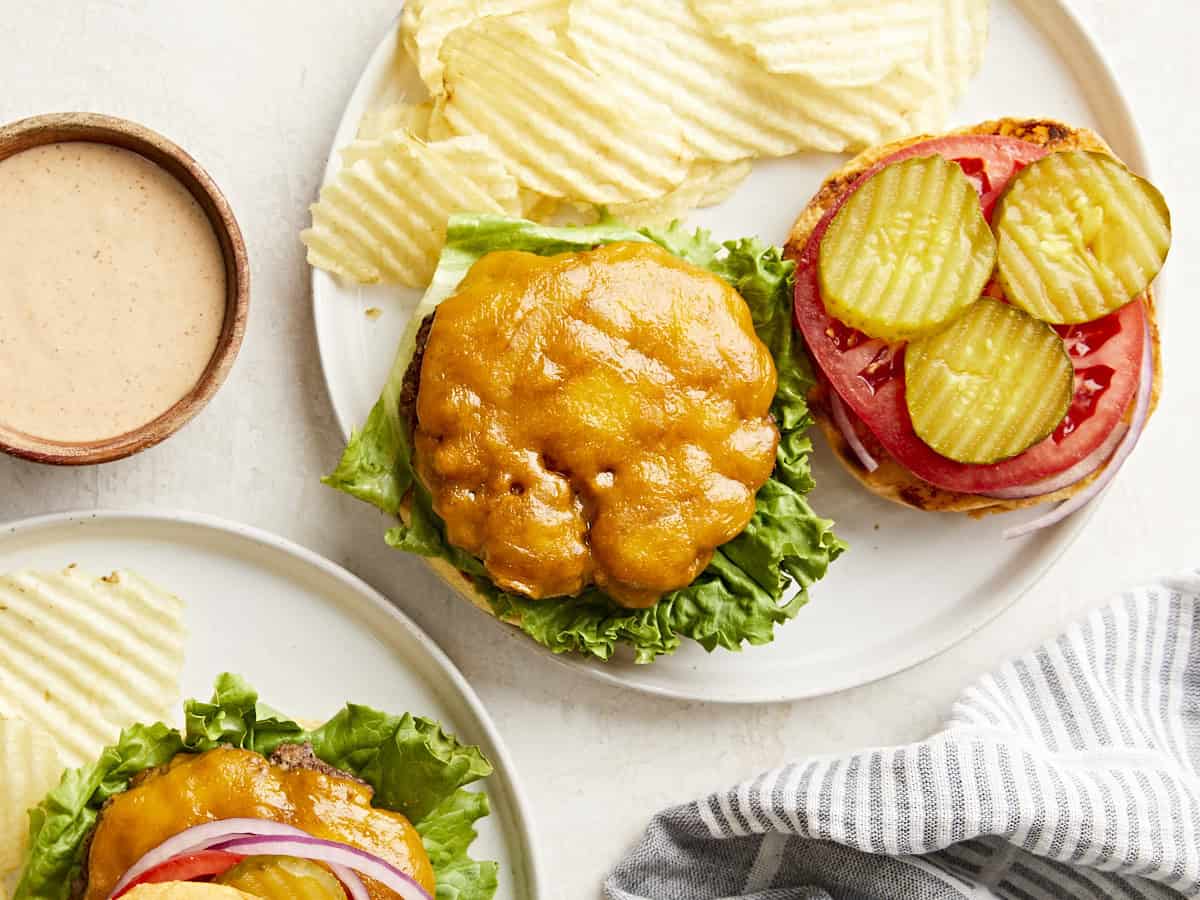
{"type": "Point", "coordinates": [912, 584]}
{"type": "Point", "coordinates": [305, 632]}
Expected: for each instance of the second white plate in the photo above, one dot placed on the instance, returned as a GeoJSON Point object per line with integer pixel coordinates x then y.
{"type": "Point", "coordinates": [305, 632]}
{"type": "Point", "coordinates": [912, 584]}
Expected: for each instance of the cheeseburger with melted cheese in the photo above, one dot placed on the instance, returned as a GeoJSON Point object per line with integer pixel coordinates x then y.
{"type": "Point", "coordinates": [597, 434]}
{"type": "Point", "coordinates": [596, 418]}
{"type": "Point", "coordinates": [245, 802]}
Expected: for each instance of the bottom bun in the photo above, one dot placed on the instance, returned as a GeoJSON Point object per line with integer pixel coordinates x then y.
{"type": "Point", "coordinates": [891, 480]}
{"type": "Point", "coordinates": [458, 581]}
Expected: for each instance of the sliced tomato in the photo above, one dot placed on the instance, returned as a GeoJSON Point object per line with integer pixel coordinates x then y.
{"type": "Point", "coordinates": [190, 867]}
{"type": "Point", "coordinates": [987, 160]}
{"type": "Point", "coordinates": [868, 374]}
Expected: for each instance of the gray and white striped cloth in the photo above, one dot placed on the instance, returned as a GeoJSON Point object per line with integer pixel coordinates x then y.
{"type": "Point", "coordinates": [1070, 772]}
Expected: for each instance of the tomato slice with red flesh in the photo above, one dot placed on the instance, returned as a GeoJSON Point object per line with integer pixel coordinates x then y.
{"type": "Point", "coordinates": [189, 867]}
{"type": "Point", "coordinates": [868, 374]}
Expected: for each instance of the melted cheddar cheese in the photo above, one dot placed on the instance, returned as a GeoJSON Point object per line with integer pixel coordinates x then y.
{"type": "Point", "coordinates": [228, 783]}
{"type": "Point", "coordinates": [594, 418]}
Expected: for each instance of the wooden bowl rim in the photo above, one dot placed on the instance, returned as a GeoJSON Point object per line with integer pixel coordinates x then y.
{"type": "Point", "coordinates": [96, 128]}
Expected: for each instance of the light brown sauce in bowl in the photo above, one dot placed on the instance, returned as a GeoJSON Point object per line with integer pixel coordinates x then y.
{"type": "Point", "coordinates": [112, 291]}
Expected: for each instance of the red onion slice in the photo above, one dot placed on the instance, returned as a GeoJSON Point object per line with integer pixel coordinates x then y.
{"type": "Point", "coordinates": [842, 420]}
{"type": "Point", "coordinates": [355, 889]}
{"type": "Point", "coordinates": [208, 835]}
{"type": "Point", "coordinates": [1141, 412]}
{"type": "Point", "coordinates": [333, 854]}
{"type": "Point", "coordinates": [1067, 477]}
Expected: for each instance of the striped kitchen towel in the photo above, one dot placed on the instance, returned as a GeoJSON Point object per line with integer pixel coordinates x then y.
{"type": "Point", "coordinates": [1070, 772]}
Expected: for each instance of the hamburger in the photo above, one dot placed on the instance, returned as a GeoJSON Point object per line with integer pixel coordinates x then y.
{"type": "Point", "coordinates": [246, 802]}
{"type": "Point", "coordinates": [598, 435]}
{"type": "Point", "coordinates": [1074, 239]}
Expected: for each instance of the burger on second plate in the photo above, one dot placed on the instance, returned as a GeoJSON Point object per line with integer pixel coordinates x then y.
{"type": "Point", "coordinates": [246, 802]}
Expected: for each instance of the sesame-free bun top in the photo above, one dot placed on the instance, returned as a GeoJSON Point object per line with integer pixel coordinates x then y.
{"type": "Point", "coordinates": [187, 890]}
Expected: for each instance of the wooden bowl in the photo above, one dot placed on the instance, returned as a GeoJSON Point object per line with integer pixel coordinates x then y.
{"type": "Point", "coordinates": [66, 127]}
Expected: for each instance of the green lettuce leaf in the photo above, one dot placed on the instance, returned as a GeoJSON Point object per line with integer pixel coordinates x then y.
{"type": "Point", "coordinates": [414, 766]}
{"type": "Point", "coordinates": [447, 832]}
{"type": "Point", "coordinates": [60, 824]}
{"type": "Point", "coordinates": [235, 718]}
{"type": "Point", "coordinates": [740, 597]}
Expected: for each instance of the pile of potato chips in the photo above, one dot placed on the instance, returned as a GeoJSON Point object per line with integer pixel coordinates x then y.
{"type": "Point", "coordinates": [80, 659]}
{"type": "Point", "coordinates": [649, 109]}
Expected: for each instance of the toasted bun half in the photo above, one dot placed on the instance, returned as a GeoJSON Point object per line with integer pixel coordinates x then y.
{"type": "Point", "coordinates": [187, 890]}
{"type": "Point", "coordinates": [460, 582]}
{"type": "Point", "coordinates": [892, 480]}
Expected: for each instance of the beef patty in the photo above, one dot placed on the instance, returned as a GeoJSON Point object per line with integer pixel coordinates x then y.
{"type": "Point", "coordinates": [302, 756]}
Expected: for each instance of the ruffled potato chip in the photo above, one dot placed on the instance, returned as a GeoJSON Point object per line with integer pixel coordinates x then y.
{"type": "Point", "coordinates": [538, 207]}
{"type": "Point", "coordinates": [839, 43]}
{"type": "Point", "coordinates": [648, 109]}
{"type": "Point", "coordinates": [561, 129]}
{"type": "Point", "coordinates": [425, 24]}
{"type": "Point", "coordinates": [708, 183]}
{"type": "Point", "coordinates": [729, 105]}
{"type": "Point", "coordinates": [31, 769]}
{"type": "Point", "coordinates": [953, 56]}
{"type": "Point", "coordinates": [408, 118]}
{"type": "Point", "coordinates": [383, 217]}
{"type": "Point", "coordinates": [83, 657]}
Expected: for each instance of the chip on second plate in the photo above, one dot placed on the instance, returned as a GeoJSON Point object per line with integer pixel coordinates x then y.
{"type": "Point", "coordinates": [83, 657]}
{"type": "Point", "coordinates": [31, 768]}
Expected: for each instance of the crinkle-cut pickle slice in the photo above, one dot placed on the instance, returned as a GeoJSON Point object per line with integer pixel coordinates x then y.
{"type": "Point", "coordinates": [1079, 236]}
{"type": "Point", "coordinates": [989, 386]}
{"type": "Point", "coordinates": [283, 878]}
{"type": "Point", "coordinates": [908, 251]}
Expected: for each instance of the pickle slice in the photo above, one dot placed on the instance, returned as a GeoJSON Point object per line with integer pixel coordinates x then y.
{"type": "Point", "coordinates": [990, 385]}
{"type": "Point", "coordinates": [908, 251]}
{"type": "Point", "coordinates": [283, 878]}
{"type": "Point", "coordinates": [1079, 236]}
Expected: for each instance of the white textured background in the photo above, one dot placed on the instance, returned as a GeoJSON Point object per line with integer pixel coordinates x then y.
{"type": "Point", "coordinates": [254, 90]}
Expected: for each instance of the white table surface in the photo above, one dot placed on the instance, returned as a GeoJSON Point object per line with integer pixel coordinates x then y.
{"type": "Point", "coordinates": [254, 91]}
